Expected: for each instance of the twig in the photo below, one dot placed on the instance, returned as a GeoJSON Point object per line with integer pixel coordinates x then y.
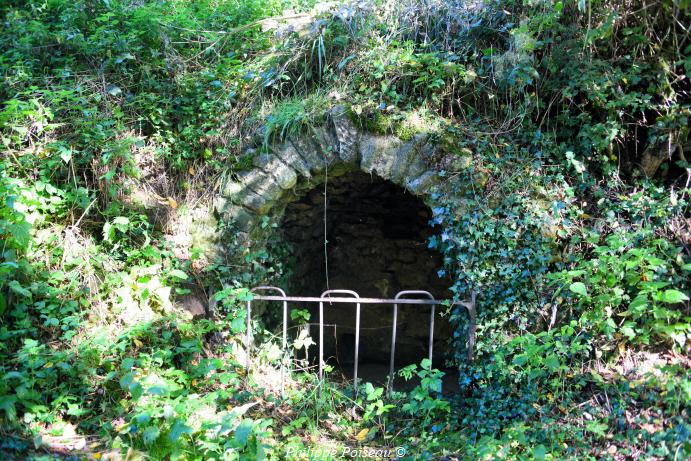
{"type": "Point", "coordinates": [86, 210]}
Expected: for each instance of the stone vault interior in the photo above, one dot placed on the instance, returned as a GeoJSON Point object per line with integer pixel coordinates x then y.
{"type": "Point", "coordinates": [377, 245]}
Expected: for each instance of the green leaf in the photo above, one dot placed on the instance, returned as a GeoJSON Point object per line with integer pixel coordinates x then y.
{"type": "Point", "coordinates": [520, 360]}
{"type": "Point", "coordinates": [674, 296]}
{"type": "Point", "coordinates": [18, 289]}
{"type": "Point", "coordinates": [150, 435]}
{"type": "Point", "coordinates": [552, 362]}
{"type": "Point", "coordinates": [342, 64]}
{"type": "Point", "coordinates": [108, 232]}
{"type": "Point", "coordinates": [127, 364]}
{"type": "Point", "coordinates": [66, 154]}
{"type": "Point", "coordinates": [539, 452]}
{"type": "Point", "coordinates": [628, 331]}
{"type": "Point", "coordinates": [178, 274]}
{"type": "Point", "coordinates": [243, 431]}
{"type": "Point", "coordinates": [597, 428]}
{"type": "Point", "coordinates": [159, 389]}
{"type": "Point", "coordinates": [237, 325]}
{"type": "Point", "coordinates": [178, 429]}
{"type": "Point", "coordinates": [142, 418]}
{"type": "Point", "coordinates": [7, 404]}
{"type": "Point", "coordinates": [639, 303]}
{"type": "Point", "coordinates": [578, 288]}
{"type": "Point", "coordinates": [121, 221]}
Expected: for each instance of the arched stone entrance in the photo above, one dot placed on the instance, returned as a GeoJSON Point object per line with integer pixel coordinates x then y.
{"type": "Point", "coordinates": [376, 224]}
{"type": "Point", "coordinates": [297, 165]}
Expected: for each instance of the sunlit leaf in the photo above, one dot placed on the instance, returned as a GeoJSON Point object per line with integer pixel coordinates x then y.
{"type": "Point", "coordinates": [578, 288]}
{"type": "Point", "coordinates": [674, 296]}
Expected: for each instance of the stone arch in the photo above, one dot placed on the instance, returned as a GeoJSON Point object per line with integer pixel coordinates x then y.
{"type": "Point", "coordinates": [287, 171]}
{"type": "Point", "coordinates": [298, 164]}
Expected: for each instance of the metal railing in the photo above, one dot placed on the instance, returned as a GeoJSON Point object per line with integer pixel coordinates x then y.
{"type": "Point", "coordinates": [424, 298]}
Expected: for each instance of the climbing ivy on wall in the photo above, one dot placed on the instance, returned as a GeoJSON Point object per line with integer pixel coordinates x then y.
{"type": "Point", "coordinates": [496, 240]}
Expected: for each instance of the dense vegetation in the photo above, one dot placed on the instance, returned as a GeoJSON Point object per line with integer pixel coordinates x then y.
{"type": "Point", "coordinates": [563, 129]}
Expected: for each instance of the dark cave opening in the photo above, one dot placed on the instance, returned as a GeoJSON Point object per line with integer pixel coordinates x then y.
{"type": "Point", "coordinates": [377, 245]}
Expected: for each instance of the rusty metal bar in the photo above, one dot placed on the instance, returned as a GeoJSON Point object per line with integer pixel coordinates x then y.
{"type": "Point", "coordinates": [314, 299]}
{"type": "Point", "coordinates": [397, 299]}
{"type": "Point", "coordinates": [354, 300]}
{"type": "Point", "coordinates": [248, 340]}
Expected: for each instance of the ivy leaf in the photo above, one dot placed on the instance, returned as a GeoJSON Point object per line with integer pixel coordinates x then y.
{"type": "Point", "coordinates": [243, 431]}
{"type": "Point", "coordinates": [578, 288]}
{"type": "Point", "coordinates": [178, 429]}
{"type": "Point", "coordinates": [674, 297]}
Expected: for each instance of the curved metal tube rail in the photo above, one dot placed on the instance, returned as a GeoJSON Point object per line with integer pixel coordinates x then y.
{"type": "Point", "coordinates": [354, 298]}
{"type": "Point", "coordinates": [399, 295]}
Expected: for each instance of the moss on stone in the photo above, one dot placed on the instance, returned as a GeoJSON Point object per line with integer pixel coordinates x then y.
{"type": "Point", "coordinates": [372, 121]}
{"type": "Point", "coordinates": [404, 125]}
{"type": "Point", "coordinates": [246, 161]}
{"type": "Point", "coordinates": [416, 122]}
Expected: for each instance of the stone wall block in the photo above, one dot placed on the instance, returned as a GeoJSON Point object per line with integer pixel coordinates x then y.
{"type": "Point", "coordinates": [231, 188]}
{"type": "Point", "coordinates": [414, 169]}
{"type": "Point", "coordinates": [326, 144]}
{"type": "Point", "coordinates": [290, 156]}
{"type": "Point", "coordinates": [285, 176]}
{"type": "Point", "coordinates": [310, 153]}
{"type": "Point", "coordinates": [254, 190]}
{"type": "Point", "coordinates": [405, 156]}
{"type": "Point", "coordinates": [346, 134]}
{"type": "Point", "coordinates": [262, 183]}
{"type": "Point", "coordinates": [428, 150]}
{"type": "Point", "coordinates": [220, 203]}
{"type": "Point", "coordinates": [255, 202]}
{"type": "Point", "coordinates": [230, 212]}
{"type": "Point", "coordinates": [378, 154]}
{"type": "Point", "coordinates": [241, 217]}
{"type": "Point", "coordinates": [422, 184]}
